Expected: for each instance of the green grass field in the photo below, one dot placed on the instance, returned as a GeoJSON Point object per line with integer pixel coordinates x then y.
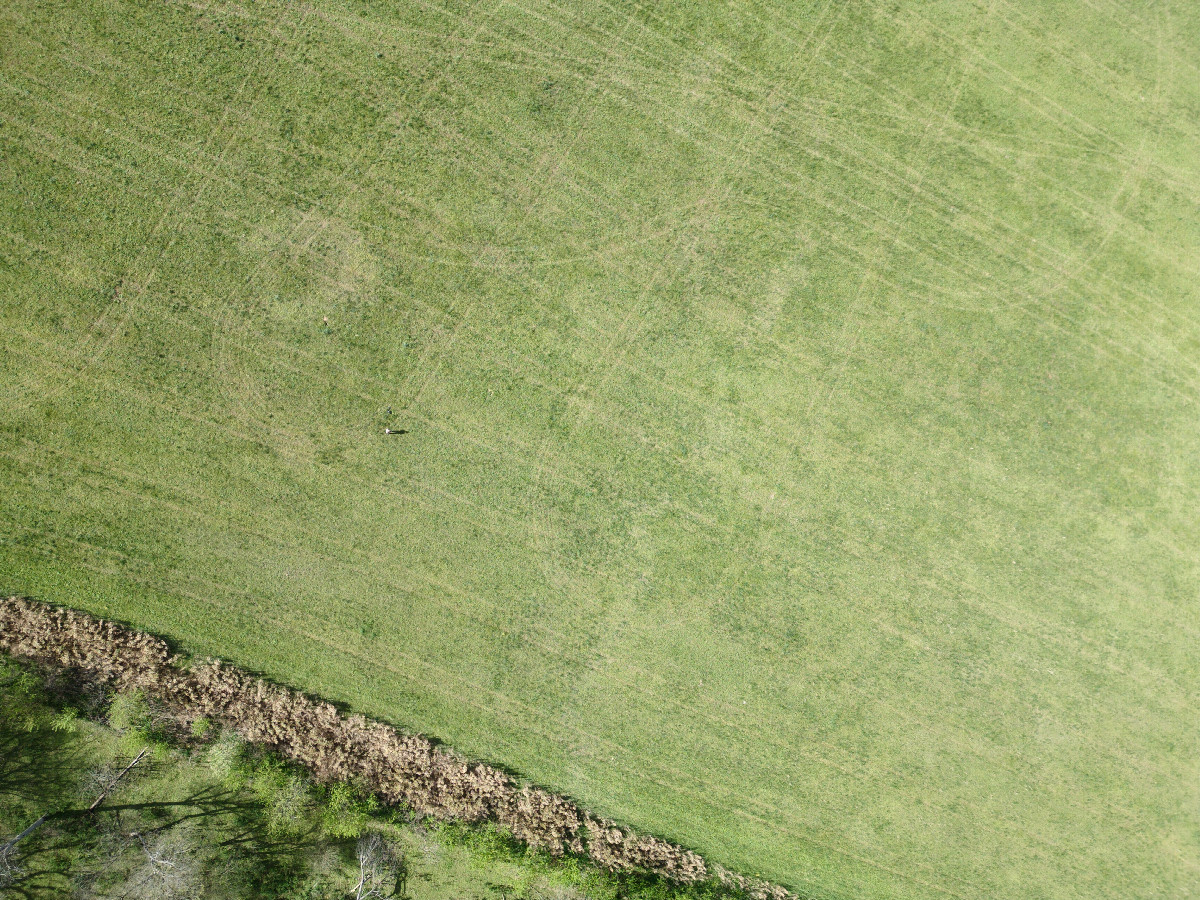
{"type": "Point", "coordinates": [802, 401]}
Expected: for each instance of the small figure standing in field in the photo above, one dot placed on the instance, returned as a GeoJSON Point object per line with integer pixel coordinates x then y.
{"type": "Point", "coordinates": [395, 431]}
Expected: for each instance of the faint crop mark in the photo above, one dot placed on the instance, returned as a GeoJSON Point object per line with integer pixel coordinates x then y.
{"type": "Point", "coordinates": [137, 285]}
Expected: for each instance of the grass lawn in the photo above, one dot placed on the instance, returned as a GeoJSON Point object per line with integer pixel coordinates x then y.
{"type": "Point", "coordinates": [802, 456]}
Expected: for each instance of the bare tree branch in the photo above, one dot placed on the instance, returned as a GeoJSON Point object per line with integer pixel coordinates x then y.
{"type": "Point", "coordinates": [120, 775]}
{"type": "Point", "coordinates": [378, 862]}
{"type": "Point", "coordinates": [6, 850]}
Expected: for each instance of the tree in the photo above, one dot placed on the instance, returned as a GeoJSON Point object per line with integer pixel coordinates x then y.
{"type": "Point", "coordinates": [10, 870]}
{"type": "Point", "coordinates": [40, 766]}
{"type": "Point", "coordinates": [168, 867]}
{"type": "Point", "coordinates": [379, 864]}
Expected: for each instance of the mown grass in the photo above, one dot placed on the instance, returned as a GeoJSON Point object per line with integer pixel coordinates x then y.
{"type": "Point", "coordinates": [801, 401]}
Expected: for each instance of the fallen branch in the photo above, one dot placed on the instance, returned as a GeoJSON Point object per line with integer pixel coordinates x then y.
{"type": "Point", "coordinates": [104, 793]}
{"type": "Point", "coordinates": [45, 817]}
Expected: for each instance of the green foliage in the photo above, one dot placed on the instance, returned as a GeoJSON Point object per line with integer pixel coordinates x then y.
{"type": "Point", "coordinates": [345, 812]}
{"type": "Point", "coordinates": [65, 720]}
{"type": "Point", "coordinates": [46, 752]}
{"type": "Point", "coordinates": [22, 706]}
{"type": "Point", "coordinates": [801, 454]}
{"type": "Point", "coordinates": [201, 727]}
{"type": "Point", "coordinates": [488, 842]}
{"type": "Point", "coordinates": [285, 795]}
{"type": "Point", "coordinates": [132, 716]}
{"type": "Point", "coordinates": [129, 712]}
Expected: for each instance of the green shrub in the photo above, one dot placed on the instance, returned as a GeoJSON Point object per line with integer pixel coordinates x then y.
{"type": "Point", "coordinates": [345, 811]}
{"type": "Point", "coordinates": [65, 721]}
{"type": "Point", "coordinates": [285, 796]}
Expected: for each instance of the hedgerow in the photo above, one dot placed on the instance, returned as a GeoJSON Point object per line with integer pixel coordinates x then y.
{"type": "Point", "coordinates": [337, 748]}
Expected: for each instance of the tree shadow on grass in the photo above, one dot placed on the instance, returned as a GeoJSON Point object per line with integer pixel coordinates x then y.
{"type": "Point", "coordinates": [39, 768]}
{"type": "Point", "coordinates": [229, 828]}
